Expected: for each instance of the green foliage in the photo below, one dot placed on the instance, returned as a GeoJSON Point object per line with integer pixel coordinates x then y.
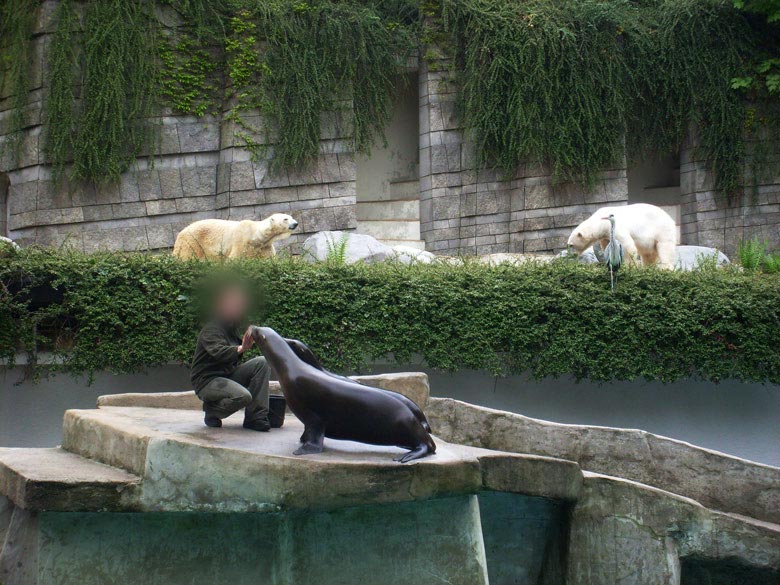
{"type": "Point", "coordinates": [292, 61]}
{"type": "Point", "coordinates": [570, 83]}
{"type": "Point", "coordinates": [337, 250]}
{"type": "Point", "coordinates": [129, 312]}
{"type": "Point", "coordinates": [771, 264]}
{"type": "Point", "coordinates": [17, 18]}
{"type": "Point", "coordinates": [295, 62]}
{"type": "Point", "coordinates": [119, 75]}
{"type": "Point", "coordinates": [544, 82]}
{"type": "Point", "coordinates": [768, 8]}
{"type": "Point", "coordinates": [60, 123]}
{"type": "Point", "coordinates": [755, 256]}
{"type": "Point", "coordinates": [751, 254]}
{"type": "Point", "coordinates": [765, 74]}
{"type": "Point", "coordinates": [187, 78]}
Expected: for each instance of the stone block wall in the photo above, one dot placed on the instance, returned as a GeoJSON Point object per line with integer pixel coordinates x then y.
{"type": "Point", "coordinates": [465, 210]}
{"type": "Point", "coordinates": [321, 196]}
{"type": "Point", "coordinates": [199, 171]}
{"type": "Point", "coordinates": [709, 219]}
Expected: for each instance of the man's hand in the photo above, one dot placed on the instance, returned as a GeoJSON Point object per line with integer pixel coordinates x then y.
{"type": "Point", "coordinates": [247, 341]}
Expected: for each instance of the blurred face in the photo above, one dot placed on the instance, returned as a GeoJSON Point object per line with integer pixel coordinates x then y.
{"type": "Point", "coordinates": [232, 305]}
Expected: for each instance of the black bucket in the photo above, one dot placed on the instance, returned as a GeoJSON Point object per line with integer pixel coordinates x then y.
{"type": "Point", "coordinates": [277, 407]}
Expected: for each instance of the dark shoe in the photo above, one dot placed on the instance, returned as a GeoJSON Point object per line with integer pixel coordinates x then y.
{"type": "Point", "coordinates": [260, 424]}
{"type": "Point", "coordinates": [212, 421]}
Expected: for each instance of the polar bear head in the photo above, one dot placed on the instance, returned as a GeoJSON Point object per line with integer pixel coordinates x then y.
{"type": "Point", "coordinates": [592, 229]}
{"type": "Point", "coordinates": [577, 240]}
{"type": "Point", "coordinates": [274, 228]}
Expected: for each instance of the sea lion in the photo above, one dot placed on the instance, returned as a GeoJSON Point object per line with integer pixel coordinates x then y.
{"type": "Point", "coordinates": [304, 352]}
{"type": "Point", "coordinates": [340, 408]}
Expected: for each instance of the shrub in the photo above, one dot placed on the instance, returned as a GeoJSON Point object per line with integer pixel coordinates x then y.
{"type": "Point", "coordinates": [128, 312]}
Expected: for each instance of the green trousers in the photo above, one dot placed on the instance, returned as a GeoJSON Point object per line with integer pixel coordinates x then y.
{"type": "Point", "coordinates": [246, 388]}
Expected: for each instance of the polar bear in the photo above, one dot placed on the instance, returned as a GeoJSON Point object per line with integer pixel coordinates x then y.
{"type": "Point", "coordinates": [646, 232]}
{"type": "Point", "coordinates": [216, 238]}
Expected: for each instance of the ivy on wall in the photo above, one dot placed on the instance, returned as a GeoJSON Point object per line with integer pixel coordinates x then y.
{"type": "Point", "coordinates": [17, 19]}
{"type": "Point", "coordinates": [128, 312]}
{"type": "Point", "coordinates": [114, 63]}
{"type": "Point", "coordinates": [578, 83]}
{"type": "Point", "coordinates": [110, 124]}
{"type": "Point", "coordinates": [570, 83]}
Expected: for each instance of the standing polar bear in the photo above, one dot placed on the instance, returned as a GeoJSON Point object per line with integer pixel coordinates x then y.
{"type": "Point", "coordinates": [646, 232]}
{"type": "Point", "coordinates": [216, 238]}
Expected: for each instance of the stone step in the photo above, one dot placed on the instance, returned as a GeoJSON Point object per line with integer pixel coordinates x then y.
{"type": "Point", "coordinates": [401, 209]}
{"type": "Point", "coordinates": [417, 244]}
{"type": "Point", "coordinates": [56, 480]}
{"type": "Point", "coordinates": [391, 230]}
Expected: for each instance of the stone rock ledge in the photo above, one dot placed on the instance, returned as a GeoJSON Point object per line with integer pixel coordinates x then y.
{"type": "Point", "coordinates": [616, 530]}
{"type": "Point", "coordinates": [620, 527]}
{"type": "Point", "coordinates": [717, 480]}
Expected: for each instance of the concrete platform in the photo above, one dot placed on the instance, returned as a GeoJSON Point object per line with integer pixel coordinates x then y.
{"type": "Point", "coordinates": [187, 466]}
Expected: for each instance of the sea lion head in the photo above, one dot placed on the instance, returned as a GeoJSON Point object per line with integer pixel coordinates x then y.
{"type": "Point", "coordinates": [264, 336]}
{"type": "Point", "coordinates": [271, 343]}
{"type": "Point", "coordinates": [275, 350]}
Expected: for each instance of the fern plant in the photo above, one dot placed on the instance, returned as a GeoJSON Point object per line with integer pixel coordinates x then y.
{"type": "Point", "coordinates": [771, 263]}
{"type": "Point", "coordinates": [337, 250]}
{"type": "Point", "coordinates": [751, 254]}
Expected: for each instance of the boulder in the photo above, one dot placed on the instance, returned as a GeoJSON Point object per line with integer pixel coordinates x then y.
{"type": "Point", "coordinates": [409, 255]}
{"type": "Point", "coordinates": [352, 247]}
{"type": "Point", "coordinates": [688, 257]}
{"type": "Point", "coordinates": [691, 257]}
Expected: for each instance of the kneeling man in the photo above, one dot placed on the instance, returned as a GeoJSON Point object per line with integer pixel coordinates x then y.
{"type": "Point", "coordinates": [222, 380]}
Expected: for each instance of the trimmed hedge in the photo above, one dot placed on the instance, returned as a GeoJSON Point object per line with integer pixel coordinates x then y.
{"type": "Point", "coordinates": [129, 312]}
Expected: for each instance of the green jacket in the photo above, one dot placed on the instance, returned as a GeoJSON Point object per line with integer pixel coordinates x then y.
{"type": "Point", "coordinates": [216, 353]}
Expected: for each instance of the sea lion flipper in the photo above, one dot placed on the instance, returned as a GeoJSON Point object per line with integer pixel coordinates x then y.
{"type": "Point", "coordinates": [308, 449]}
{"type": "Point", "coordinates": [418, 453]}
{"type": "Point", "coordinates": [311, 439]}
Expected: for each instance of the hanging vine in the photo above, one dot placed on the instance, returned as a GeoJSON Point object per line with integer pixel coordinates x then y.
{"type": "Point", "coordinates": [17, 19]}
{"type": "Point", "coordinates": [119, 90]}
{"type": "Point", "coordinates": [684, 80]}
{"type": "Point", "coordinates": [291, 61]}
{"type": "Point", "coordinates": [296, 63]}
{"type": "Point", "coordinates": [60, 124]}
{"type": "Point", "coordinates": [570, 83]}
